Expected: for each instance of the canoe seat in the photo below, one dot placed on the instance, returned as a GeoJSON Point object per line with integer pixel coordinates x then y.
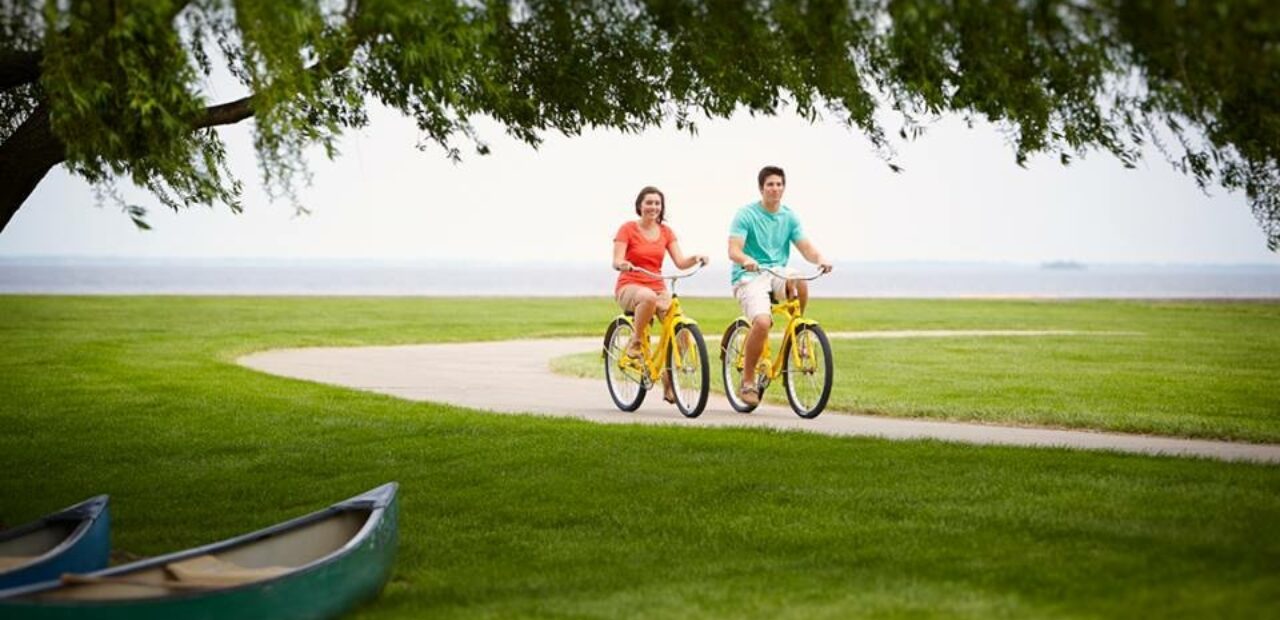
{"type": "Point", "coordinates": [212, 571]}
{"type": "Point", "coordinates": [8, 562]}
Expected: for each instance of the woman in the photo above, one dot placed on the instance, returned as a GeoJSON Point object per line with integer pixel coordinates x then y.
{"type": "Point", "coordinates": [641, 244]}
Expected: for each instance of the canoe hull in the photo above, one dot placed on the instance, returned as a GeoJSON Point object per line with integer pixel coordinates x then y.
{"type": "Point", "coordinates": [88, 549]}
{"type": "Point", "coordinates": [322, 591]}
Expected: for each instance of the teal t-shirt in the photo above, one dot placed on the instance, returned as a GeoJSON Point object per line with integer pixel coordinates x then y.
{"type": "Point", "coordinates": [767, 237]}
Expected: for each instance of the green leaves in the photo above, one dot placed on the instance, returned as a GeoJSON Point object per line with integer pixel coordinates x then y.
{"type": "Point", "coordinates": [124, 80]}
{"type": "Point", "coordinates": [121, 88]}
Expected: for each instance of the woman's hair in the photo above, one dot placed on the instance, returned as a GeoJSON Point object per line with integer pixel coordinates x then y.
{"type": "Point", "coordinates": [649, 189]}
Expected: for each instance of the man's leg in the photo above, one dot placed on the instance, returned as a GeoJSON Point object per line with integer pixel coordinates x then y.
{"type": "Point", "coordinates": [753, 296]}
{"type": "Point", "coordinates": [755, 346]}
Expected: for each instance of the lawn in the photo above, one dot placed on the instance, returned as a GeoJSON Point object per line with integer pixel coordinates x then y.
{"type": "Point", "coordinates": [520, 516]}
{"type": "Point", "coordinates": [1205, 370]}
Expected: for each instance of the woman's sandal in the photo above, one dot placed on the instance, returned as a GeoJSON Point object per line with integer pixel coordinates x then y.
{"type": "Point", "coordinates": [635, 351]}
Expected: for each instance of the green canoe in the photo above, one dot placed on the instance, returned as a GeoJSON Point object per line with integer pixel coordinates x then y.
{"type": "Point", "coordinates": [316, 566]}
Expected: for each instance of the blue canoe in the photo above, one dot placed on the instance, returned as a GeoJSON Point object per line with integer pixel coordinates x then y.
{"type": "Point", "coordinates": [316, 566]}
{"type": "Point", "coordinates": [74, 540]}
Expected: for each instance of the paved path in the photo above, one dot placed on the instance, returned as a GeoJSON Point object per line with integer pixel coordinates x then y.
{"type": "Point", "coordinates": [513, 377]}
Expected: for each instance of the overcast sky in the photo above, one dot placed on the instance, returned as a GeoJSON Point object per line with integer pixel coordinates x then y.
{"type": "Point", "coordinates": [960, 198]}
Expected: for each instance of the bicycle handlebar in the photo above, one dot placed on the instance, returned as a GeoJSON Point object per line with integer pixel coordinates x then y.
{"type": "Point", "coordinates": [673, 277]}
{"type": "Point", "coordinates": [784, 276]}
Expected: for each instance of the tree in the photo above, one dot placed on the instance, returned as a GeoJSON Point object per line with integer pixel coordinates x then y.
{"type": "Point", "coordinates": [114, 88]}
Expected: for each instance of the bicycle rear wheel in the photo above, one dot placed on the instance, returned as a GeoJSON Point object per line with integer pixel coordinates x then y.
{"type": "Point", "coordinates": [624, 376]}
{"type": "Point", "coordinates": [690, 372]}
{"type": "Point", "coordinates": [806, 373]}
{"type": "Point", "coordinates": [733, 348]}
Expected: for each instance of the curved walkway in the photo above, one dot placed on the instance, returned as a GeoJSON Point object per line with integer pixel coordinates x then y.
{"type": "Point", "coordinates": [514, 377]}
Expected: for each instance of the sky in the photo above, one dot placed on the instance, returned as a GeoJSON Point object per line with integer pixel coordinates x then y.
{"type": "Point", "coordinates": [960, 198]}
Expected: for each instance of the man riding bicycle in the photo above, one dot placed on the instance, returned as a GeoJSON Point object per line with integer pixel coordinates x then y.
{"type": "Point", "coordinates": [761, 235]}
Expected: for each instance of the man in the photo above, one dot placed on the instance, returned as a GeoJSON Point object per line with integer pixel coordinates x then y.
{"type": "Point", "coordinates": [761, 236]}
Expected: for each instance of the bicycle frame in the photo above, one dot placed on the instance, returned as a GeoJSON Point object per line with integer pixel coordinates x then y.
{"type": "Point", "coordinates": [654, 361]}
{"type": "Point", "coordinates": [789, 308]}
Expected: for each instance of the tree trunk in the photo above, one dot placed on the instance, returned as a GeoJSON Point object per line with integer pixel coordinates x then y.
{"type": "Point", "coordinates": [25, 158]}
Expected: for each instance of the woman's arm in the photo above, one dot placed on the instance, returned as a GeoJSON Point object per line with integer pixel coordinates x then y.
{"type": "Point", "coordinates": [620, 261]}
{"type": "Point", "coordinates": [680, 260]}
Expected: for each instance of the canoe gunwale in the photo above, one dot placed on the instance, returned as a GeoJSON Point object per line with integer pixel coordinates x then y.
{"type": "Point", "coordinates": [375, 501]}
{"type": "Point", "coordinates": [85, 514]}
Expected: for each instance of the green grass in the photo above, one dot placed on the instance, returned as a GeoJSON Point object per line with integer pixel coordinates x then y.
{"type": "Point", "coordinates": [521, 516]}
{"type": "Point", "coordinates": [1206, 370]}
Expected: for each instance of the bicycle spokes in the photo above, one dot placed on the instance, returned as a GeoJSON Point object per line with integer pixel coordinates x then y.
{"type": "Point", "coordinates": [732, 363]}
{"type": "Point", "coordinates": [807, 371]}
{"type": "Point", "coordinates": [624, 374]}
{"type": "Point", "coordinates": [689, 370]}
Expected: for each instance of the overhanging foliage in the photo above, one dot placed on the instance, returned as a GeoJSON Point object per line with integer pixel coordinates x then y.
{"type": "Point", "coordinates": [117, 89]}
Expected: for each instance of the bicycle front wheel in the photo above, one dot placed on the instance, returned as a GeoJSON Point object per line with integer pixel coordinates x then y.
{"type": "Point", "coordinates": [623, 375]}
{"type": "Point", "coordinates": [690, 372]}
{"type": "Point", "coordinates": [807, 370]}
{"type": "Point", "coordinates": [733, 347]}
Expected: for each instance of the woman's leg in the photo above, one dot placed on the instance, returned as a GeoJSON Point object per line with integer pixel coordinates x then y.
{"type": "Point", "coordinates": [646, 306]}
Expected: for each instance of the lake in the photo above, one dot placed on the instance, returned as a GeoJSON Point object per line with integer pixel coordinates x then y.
{"type": "Point", "coordinates": [403, 278]}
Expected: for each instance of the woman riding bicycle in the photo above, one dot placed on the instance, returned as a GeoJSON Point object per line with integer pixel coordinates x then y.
{"type": "Point", "coordinates": [642, 243]}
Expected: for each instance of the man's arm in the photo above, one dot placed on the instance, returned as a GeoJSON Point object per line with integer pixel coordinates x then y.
{"type": "Point", "coordinates": [811, 254]}
{"type": "Point", "coordinates": [739, 257]}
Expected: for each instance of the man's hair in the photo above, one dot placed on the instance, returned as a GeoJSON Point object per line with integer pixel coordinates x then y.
{"type": "Point", "coordinates": [662, 215]}
{"type": "Point", "coordinates": [769, 171]}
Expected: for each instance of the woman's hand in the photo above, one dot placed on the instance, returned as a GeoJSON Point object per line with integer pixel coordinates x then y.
{"type": "Point", "coordinates": [623, 265]}
{"type": "Point", "coordinates": [701, 260]}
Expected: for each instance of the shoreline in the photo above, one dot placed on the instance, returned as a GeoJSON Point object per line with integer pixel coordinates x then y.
{"type": "Point", "coordinates": [1266, 299]}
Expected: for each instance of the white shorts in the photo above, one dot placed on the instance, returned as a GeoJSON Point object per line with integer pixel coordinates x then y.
{"type": "Point", "coordinates": [753, 294]}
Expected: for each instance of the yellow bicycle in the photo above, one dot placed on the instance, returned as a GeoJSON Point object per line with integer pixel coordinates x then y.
{"type": "Point", "coordinates": [805, 363]}
{"type": "Point", "coordinates": [680, 351]}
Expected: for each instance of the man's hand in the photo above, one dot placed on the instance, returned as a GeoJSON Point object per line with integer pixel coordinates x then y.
{"type": "Point", "coordinates": [751, 265]}
{"type": "Point", "coordinates": [824, 267]}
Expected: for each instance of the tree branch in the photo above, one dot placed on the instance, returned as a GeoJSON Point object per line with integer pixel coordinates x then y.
{"type": "Point", "coordinates": [25, 158]}
{"type": "Point", "coordinates": [28, 154]}
{"type": "Point", "coordinates": [18, 68]}
{"type": "Point", "coordinates": [228, 113]}
{"type": "Point", "coordinates": [233, 112]}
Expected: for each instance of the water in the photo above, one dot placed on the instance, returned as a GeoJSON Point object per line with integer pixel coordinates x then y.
{"type": "Point", "coordinates": [399, 278]}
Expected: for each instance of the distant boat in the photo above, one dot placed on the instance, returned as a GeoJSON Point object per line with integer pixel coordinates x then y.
{"type": "Point", "coordinates": [72, 540]}
{"type": "Point", "coordinates": [316, 566]}
{"type": "Point", "coordinates": [1062, 264]}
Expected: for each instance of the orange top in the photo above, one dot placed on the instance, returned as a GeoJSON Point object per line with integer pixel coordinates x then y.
{"type": "Point", "coordinates": [645, 254]}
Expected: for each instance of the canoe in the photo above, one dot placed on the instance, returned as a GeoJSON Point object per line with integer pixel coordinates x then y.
{"type": "Point", "coordinates": [72, 540]}
{"type": "Point", "coordinates": [316, 566]}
